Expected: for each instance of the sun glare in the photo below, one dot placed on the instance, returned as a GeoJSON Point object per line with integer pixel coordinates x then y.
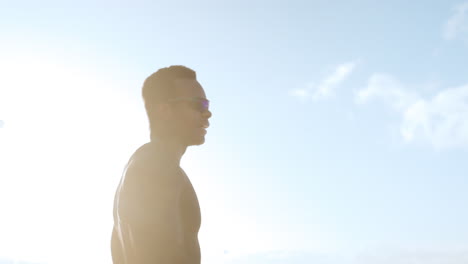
{"type": "Point", "coordinates": [61, 154]}
{"type": "Point", "coordinates": [66, 136]}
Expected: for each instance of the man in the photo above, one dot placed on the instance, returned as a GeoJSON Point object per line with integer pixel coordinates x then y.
{"type": "Point", "coordinates": [156, 211]}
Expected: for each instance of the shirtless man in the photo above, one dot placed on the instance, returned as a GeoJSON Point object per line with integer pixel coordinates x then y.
{"type": "Point", "coordinates": [156, 211]}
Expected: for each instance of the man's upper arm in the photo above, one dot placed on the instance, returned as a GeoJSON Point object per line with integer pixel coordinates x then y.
{"type": "Point", "coordinates": [150, 214]}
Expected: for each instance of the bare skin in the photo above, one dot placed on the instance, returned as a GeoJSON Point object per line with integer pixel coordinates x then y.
{"type": "Point", "coordinates": [156, 211]}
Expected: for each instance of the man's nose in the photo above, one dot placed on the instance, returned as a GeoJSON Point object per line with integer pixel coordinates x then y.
{"type": "Point", "coordinates": [207, 114]}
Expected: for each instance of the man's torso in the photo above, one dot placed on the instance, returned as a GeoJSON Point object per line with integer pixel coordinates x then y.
{"type": "Point", "coordinates": [187, 207]}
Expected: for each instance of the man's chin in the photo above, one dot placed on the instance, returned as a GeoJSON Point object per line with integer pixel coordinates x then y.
{"type": "Point", "coordinates": [198, 141]}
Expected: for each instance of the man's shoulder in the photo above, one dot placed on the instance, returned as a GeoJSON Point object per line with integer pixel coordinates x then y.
{"type": "Point", "coordinates": [147, 150]}
{"type": "Point", "coordinates": [149, 162]}
{"type": "Point", "coordinates": [148, 154]}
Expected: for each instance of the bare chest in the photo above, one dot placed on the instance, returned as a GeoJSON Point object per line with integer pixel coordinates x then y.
{"type": "Point", "coordinates": [189, 207]}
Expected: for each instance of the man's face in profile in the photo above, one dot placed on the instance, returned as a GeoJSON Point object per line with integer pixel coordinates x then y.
{"type": "Point", "coordinates": [190, 112]}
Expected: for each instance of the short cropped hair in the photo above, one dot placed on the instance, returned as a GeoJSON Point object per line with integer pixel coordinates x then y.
{"type": "Point", "coordinates": [160, 86]}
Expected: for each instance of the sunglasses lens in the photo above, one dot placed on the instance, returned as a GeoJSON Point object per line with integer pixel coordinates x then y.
{"type": "Point", "coordinates": [201, 105]}
{"type": "Point", "coordinates": [198, 104]}
{"type": "Point", "coordinates": [205, 105]}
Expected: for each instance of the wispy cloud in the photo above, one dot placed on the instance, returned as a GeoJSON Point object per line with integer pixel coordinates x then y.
{"type": "Point", "coordinates": [441, 120]}
{"type": "Point", "coordinates": [302, 93]}
{"type": "Point", "coordinates": [385, 87]}
{"type": "Point", "coordinates": [433, 255]}
{"type": "Point", "coordinates": [384, 255]}
{"type": "Point", "coordinates": [457, 23]}
{"type": "Point", "coordinates": [292, 257]}
{"type": "Point", "coordinates": [327, 86]}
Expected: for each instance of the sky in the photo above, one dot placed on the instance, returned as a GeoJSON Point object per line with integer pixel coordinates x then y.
{"type": "Point", "coordinates": [339, 130]}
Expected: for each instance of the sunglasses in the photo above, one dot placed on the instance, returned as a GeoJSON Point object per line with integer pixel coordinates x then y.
{"type": "Point", "coordinates": [196, 103]}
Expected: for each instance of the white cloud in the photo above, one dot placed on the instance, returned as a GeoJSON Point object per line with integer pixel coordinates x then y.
{"type": "Point", "coordinates": [300, 93]}
{"type": "Point", "coordinates": [327, 86]}
{"type": "Point", "coordinates": [388, 89]}
{"type": "Point", "coordinates": [457, 23]}
{"type": "Point", "coordinates": [441, 120]}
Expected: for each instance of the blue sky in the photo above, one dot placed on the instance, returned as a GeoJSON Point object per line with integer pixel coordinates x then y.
{"type": "Point", "coordinates": [339, 130]}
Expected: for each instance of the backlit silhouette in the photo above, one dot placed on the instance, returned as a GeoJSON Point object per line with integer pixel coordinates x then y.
{"type": "Point", "coordinates": [156, 210]}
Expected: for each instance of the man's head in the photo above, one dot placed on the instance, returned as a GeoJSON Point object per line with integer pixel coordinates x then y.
{"type": "Point", "coordinates": [176, 105]}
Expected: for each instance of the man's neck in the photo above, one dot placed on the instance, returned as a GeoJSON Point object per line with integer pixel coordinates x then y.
{"type": "Point", "coordinates": [172, 148]}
